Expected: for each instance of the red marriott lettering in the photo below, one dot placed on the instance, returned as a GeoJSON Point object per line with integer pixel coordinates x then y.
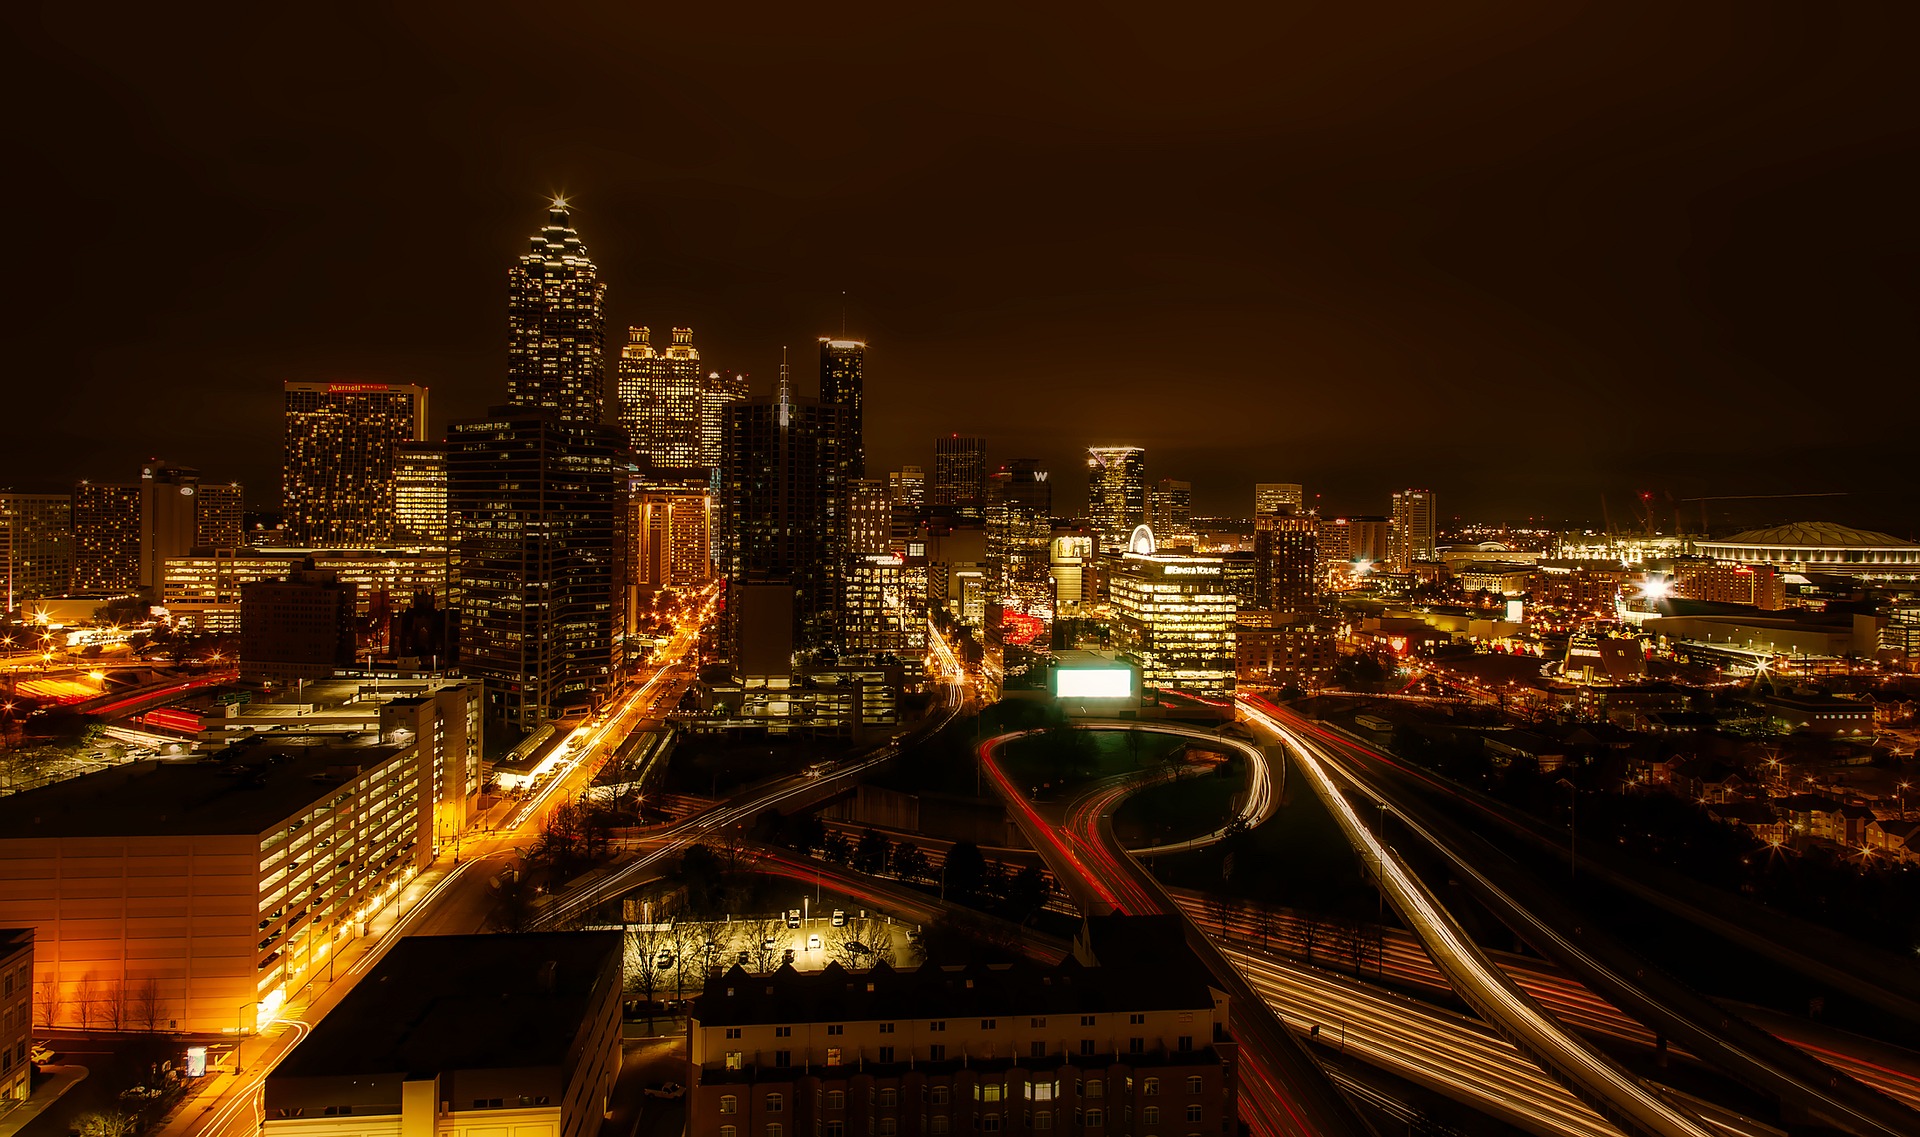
{"type": "Point", "coordinates": [351, 388]}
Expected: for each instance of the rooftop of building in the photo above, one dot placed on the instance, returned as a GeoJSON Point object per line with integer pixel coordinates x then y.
{"type": "Point", "coordinates": [441, 1003]}
{"type": "Point", "coordinates": [970, 991]}
{"type": "Point", "coordinates": [248, 788]}
{"type": "Point", "coordinates": [1815, 534]}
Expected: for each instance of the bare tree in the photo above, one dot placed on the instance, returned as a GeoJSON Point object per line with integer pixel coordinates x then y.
{"type": "Point", "coordinates": [147, 1007]}
{"type": "Point", "coordinates": [1310, 930]}
{"type": "Point", "coordinates": [48, 1002]}
{"type": "Point", "coordinates": [1264, 925]}
{"type": "Point", "coordinates": [764, 936]}
{"type": "Point", "coordinates": [85, 995]}
{"type": "Point", "coordinates": [113, 1005]}
{"type": "Point", "coordinates": [689, 944]}
{"type": "Point", "coordinates": [109, 1122]}
{"type": "Point", "coordinates": [645, 942]}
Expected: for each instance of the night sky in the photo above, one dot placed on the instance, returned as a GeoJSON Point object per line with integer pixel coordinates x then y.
{"type": "Point", "coordinates": [1524, 254]}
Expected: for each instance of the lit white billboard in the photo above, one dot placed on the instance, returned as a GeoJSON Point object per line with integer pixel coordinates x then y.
{"type": "Point", "coordinates": [1092, 683]}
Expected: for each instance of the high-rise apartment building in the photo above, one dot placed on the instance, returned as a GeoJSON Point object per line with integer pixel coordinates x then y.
{"type": "Point", "coordinates": [869, 517]}
{"type": "Point", "coordinates": [1278, 497]}
{"type": "Point", "coordinates": [556, 321]}
{"type": "Point", "coordinates": [1286, 562]}
{"type": "Point", "coordinates": [783, 488]}
{"type": "Point", "coordinates": [1116, 493]}
{"type": "Point", "coordinates": [534, 504]}
{"type": "Point", "coordinates": [338, 473]}
{"type": "Point", "coordinates": [842, 385]}
{"type": "Point", "coordinates": [663, 399]}
{"type": "Point", "coordinates": [1414, 520]}
{"type": "Point", "coordinates": [1170, 509]}
{"type": "Point", "coordinates": [106, 539]}
{"type": "Point", "coordinates": [959, 487]}
{"type": "Point", "coordinates": [1019, 583]}
{"type": "Point", "coordinates": [420, 494]}
{"type": "Point", "coordinates": [36, 530]}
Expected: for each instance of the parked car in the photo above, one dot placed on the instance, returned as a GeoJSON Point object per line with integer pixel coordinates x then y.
{"type": "Point", "coordinates": [42, 1054]}
{"type": "Point", "coordinates": [839, 918]}
{"type": "Point", "coordinates": [668, 1090]}
{"type": "Point", "coordinates": [813, 942]}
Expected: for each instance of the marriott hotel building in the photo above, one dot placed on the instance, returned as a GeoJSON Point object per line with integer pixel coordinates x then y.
{"type": "Point", "coordinates": [1175, 615]}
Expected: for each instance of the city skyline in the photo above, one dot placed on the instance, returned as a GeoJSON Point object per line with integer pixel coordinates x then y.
{"type": "Point", "coordinates": [1499, 302]}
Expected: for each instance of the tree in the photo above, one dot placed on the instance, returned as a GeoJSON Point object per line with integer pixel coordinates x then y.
{"type": "Point", "coordinates": [1027, 894]}
{"type": "Point", "coordinates": [113, 1005]}
{"type": "Point", "coordinates": [108, 1123]}
{"type": "Point", "coordinates": [765, 933]}
{"type": "Point", "coordinates": [85, 994]}
{"type": "Point", "coordinates": [1310, 933]}
{"type": "Point", "coordinates": [147, 1009]}
{"type": "Point", "coordinates": [870, 855]}
{"type": "Point", "coordinates": [48, 1002]}
{"type": "Point", "coordinates": [909, 863]}
{"type": "Point", "coordinates": [688, 945]}
{"type": "Point", "coordinates": [1264, 925]}
{"type": "Point", "coordinates": [963, 874]}
{"type": "Point", "coordinates": [835, 847]}
{"type": "Point", "coordinates": [645, 943]}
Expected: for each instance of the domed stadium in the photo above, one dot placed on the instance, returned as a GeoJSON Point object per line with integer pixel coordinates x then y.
{"type": "Point", "coordinates": [1819, 546]}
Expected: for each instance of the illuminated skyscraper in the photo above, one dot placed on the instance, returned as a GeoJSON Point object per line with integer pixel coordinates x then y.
{"type": "Point", "coordinates": [663, 399]}
{"type": "Point", "coordinates": [1116, 493]}
{"type": "Point", "coordinates": [106, 539]}
{"type": "Point", "coordinates": [1175, 615]}
{"type": "Point", "coordinates": [37, 532]}
{"type": "Point", "coordinates": [722, 387]}
{"type": "Point", "coordinates": [1286, 562]}
{"type": "Point", "coordinates": [783, 490]}
{"type": "Point", "coordinates": [869, 518]}
{"type": "Point", "coordinates": [533, 503]}
{"type": "Point", "coordinates": [338, 470]}
{"type": "Point", "coordinates": [1278, 497]}
{"type": "Point", "coordinates": [556, 318]}
{"type": "Point", "coordinates": [1413, 528]}
{"type": "Point", "coordinates": [842, 385]}
{"type": "Point", "coordinates": [220, 516]}
{"type": "Point", "coordinates": [169, 519]}
{"type": "Point", "coordinates": [959, 486]}
{"type": "Point", "coordinates": [420, 494]}
{"type": "Point", "coordinates": [1170, 510]}
{"type": "Point", "coordinates": [1019, 585]}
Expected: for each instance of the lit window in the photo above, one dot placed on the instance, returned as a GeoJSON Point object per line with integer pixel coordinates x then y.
{"type": "Point", "coordinates": [729, 1104]}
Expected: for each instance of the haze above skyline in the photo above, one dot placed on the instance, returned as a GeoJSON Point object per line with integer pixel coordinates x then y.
{"type": "Point", "coordinates": [1520, 256]}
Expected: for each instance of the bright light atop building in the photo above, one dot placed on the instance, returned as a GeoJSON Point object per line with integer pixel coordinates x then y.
{"type": "Point", "coordinates": [1092, 682]}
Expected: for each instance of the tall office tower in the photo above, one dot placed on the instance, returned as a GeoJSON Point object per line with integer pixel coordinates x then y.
{"type": "Point", "coordinates": [663, 401]}
{"type": "Point", "coordinates": [220, 516]}
{"type": "Point", "coordinates": [1278, 497]}
{"type": "Point", "coordinates": [1175, 615]}
{"type": "Point", "coordinates": [1116, 493]}
{"type": "Point", "coordinates": [556, 317]}
{"type": "Point", "coordinates": [908, 489]}
{"type": "Point", "coordinates": [722, 387]}
{"type": "Point", "coordinates": [420, 494]}
{"type": "Point", "coordinates": [337, 472]}
{"type": "Point", "coordinates": [783, 489]}
{"type": "Point", "coordinates": [1170, 510]}
{"type": "Point", "coordinates": [869, 517]}
{"type": "Point", "coordinates": [37, 531]}
{"type": "Point", "coordinates": [959, 486]}
{"type": "Point", "coordinates": [841, 385]}
{"type": "Point", "coordinates": [169, 519]}
{"type": "Point", "coordinates": [106, 539]}
{"type": "Point", "coordinates": [1019, 600]}
{"type": "Point", "coordinates": [533, 502]}
{"type": "Point", "coordinates": [1413, 528]}
{"type": "Point", "coordinates": [1286, 562]}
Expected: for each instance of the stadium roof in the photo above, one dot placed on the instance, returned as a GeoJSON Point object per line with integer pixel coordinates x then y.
{"type": "Point", "coordinates": [1814, 534]}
